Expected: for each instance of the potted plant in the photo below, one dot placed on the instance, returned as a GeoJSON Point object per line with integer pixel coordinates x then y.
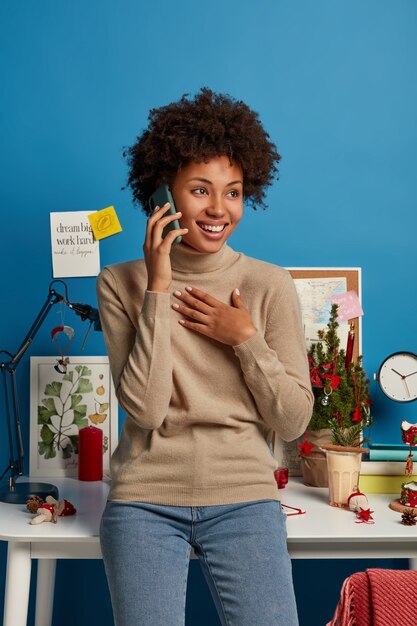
{"type": "Point", "coordinates": [341, 410]}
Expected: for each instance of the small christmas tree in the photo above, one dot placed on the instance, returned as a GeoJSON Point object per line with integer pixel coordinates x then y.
{"type": "Point", "coordinates": [341, 392]}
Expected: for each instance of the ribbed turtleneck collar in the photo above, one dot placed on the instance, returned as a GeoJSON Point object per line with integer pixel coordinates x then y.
{"type": "Point", "coordinates": [187, 260]}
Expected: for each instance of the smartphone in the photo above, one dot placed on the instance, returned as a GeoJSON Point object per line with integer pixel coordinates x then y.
{"type": "Point", "coordinates": [160, 197]}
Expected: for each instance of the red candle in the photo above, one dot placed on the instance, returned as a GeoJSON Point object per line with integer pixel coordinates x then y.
{"type": "Point", "coordinates": [90, 453]}
{"type": "Point", "coordinates": [349, 347]}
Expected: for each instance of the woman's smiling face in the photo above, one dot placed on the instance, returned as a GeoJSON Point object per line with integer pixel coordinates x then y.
{"type": "Point", "coordinates": [210, 198]}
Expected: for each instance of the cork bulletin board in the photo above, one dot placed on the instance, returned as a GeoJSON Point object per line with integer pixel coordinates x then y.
{"type": "Point", "coordinates": [315, 288]}
{"type": "Point", "coordinates": [352, 276]}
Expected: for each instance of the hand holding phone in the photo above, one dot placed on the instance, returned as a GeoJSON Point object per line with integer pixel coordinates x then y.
{"type": "Point", "coordinates": [157, 247]}
{"type": "Point", "coordinates": [159, 198]}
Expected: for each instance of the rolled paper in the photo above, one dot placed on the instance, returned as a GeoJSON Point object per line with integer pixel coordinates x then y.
{"type": "Point", "coordinates": [90, 453]}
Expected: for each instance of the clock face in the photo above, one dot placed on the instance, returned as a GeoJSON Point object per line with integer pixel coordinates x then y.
{"type": "Point", "coordinates": [397, 376]}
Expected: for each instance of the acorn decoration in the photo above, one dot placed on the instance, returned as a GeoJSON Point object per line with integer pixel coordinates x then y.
{"type": "Point", "coordinates": [34, 503]}
{"type": "Point", "coordinates": [409, 517]}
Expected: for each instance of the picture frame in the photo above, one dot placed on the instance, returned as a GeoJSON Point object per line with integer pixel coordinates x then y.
{"type": "Point", "coordinates": [62, 401]}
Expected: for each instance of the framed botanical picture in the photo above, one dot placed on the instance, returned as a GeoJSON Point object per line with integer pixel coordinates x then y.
{"type": "Point", "coordinates": [63, 399]}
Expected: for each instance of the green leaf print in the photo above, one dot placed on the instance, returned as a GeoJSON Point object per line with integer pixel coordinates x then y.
{"type": "Point", "coordinates": [84, 386]}
{"type": "Point", "coordinates": [47, 435]}
{"type": "Point", "coordinates": [75, 399]}
{"type": "Point", "coordinates": [64, 416]}
{"type": "Point", "coordinates": [83, 370]}
{"type": "Point", "coordinates": [46, 411]}
{"type": "Point", "coordinates": [53, 389]}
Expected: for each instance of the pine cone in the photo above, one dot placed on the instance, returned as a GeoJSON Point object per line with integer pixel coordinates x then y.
{"type": "Point", "coordinates": [34, 503]}
{"type": "Point", "coordinates": [409, 517]}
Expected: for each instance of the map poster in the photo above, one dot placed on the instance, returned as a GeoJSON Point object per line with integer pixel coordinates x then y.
{"type": "Point", "coordinates": [315, 296]}
{"type": "Point", "coordinates": [316, 287]}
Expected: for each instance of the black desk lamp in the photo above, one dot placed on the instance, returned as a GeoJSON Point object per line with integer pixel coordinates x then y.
{"type": "Point", "coordinates": [18, 493]}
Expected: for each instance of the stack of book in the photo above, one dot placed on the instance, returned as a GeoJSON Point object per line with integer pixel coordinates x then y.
{"type": "Point", "coordinates": [384, 471]}
{"type": "Point", "coordinates": [389, 452]}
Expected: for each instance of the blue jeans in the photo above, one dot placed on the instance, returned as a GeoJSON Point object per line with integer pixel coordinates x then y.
{"type": "Point", "coordinates": [242, 551]}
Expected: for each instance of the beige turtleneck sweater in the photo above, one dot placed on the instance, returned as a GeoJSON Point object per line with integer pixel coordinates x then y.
{"type": "Point", "coordinates": [199, 413]}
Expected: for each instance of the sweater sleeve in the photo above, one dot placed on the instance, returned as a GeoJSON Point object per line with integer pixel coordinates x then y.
{"type": "Point", "coordinates": [140, 357]}
{"type": "Point", "coordinates": [275, 368]}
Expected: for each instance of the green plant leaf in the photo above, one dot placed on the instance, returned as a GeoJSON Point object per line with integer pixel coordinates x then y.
{"type": "Point", "coordinates": [69, 376]}
{"type": "Point", "coordinates": [53, 389]}
{"type": "Point", "coordinates": [83, 370]}
{"type": "Point", "coordinates": [75, 399]}
{"type": "Point", "coordinates": [84, 386]}
{"type": "Point", "coordinates": [47, 435]}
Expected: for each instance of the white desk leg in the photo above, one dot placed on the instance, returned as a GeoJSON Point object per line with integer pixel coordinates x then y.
{"type": "Point", "coordinates": [17, 583]}
{"type": "Point", "coordinates": [45, 592]}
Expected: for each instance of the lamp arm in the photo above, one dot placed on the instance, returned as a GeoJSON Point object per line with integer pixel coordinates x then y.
{"type": "Point", "coordinates": [12, 462]}
{"type": "Point", "coordinates": [16, 466]}
{"type": "Point", "coordinates": [52, 298]}
{"type": "Point", "coordinates": [18, 432]}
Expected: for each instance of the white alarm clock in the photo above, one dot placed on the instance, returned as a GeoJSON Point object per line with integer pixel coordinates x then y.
{"type": "Point", "coordinates": [397, 376]}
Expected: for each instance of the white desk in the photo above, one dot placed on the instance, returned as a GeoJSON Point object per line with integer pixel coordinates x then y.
{"type": "Point", "coordinates": [322, 532]}
{"type": "Point", "coordinates": [74, 537]}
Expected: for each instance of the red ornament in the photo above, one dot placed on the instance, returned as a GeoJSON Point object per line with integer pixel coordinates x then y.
{"type": "Point", "coordinates": [66, 508]}
{"type": "Point", "coordinates": [409, 433]}
{"type": "Point", "coordinates": [409, 494]}
{"type": "Point", "coordinates": [364, 515]}
{"type": "Point", "coordinates": [357, 414]}
{"type": "Point", "coordinates": [319, 376]}
{"type": "Point", "coordinates": [334, 380]}
{"type": "Point", "coordinates": [314, 374]}
{"type": "Point", "coordinates": [356, 499]}
{"type": "Point", "coordinates": [306, 447]}
{"type": "Point", "coordinates": [281, 477]}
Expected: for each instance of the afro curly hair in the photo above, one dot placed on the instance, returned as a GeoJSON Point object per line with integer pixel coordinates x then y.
{"type": "Point", "coordinates": [197, 129]}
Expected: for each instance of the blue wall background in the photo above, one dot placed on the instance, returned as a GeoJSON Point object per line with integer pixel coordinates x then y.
{"type": "Point", "coordinates": [335, 84]}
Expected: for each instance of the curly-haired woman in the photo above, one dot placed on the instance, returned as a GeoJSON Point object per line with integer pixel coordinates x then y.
{"type": "Point", "coordinates": [208, 359]}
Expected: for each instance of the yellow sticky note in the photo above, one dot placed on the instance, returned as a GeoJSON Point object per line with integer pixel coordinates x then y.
{"type": "Point", "coordinates": [104, 223]}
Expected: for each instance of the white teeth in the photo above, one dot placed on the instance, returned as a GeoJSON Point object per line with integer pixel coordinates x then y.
{"type": "Point", "coordinates": [213, 229]}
